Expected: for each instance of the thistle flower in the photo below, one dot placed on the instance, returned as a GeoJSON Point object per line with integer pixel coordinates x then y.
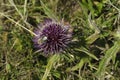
{"type": "Point", "coordinates": [52, 37]}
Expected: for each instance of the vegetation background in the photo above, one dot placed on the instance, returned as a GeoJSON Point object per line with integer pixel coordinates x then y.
{"type": "Point", "coordinates": [94, 53]}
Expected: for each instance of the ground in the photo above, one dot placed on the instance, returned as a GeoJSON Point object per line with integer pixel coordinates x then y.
{"type": "Point", "coordinates": [94, 51]}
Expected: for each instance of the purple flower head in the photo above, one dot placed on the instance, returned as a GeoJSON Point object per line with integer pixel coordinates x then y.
{"type": "Point", "coordinates": [52, 37]}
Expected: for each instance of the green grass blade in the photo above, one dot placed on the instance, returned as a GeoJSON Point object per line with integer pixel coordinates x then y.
{"type": "Point", "coordinates": [48, 12]}
{"type": "Point", "coordinates": [14, 5]}
{"type": "Point", "coordinates": [83, 49]}
{"type": "Point", "coordinates": [51, 61]}
{"type": "Point", "coordinates": [12, 20]}
{"type": "Point", "coordinates": [106, 59]}
{"type": "Point", "coordinates": [1, 28]}
{"type": "Point", "coordinates": [92, 38]}
{"type": "Point", "coordinates": [79, 65]}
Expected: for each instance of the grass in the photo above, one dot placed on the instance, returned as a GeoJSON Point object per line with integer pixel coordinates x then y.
{"type": "Point", "coordinates": [94, 53]}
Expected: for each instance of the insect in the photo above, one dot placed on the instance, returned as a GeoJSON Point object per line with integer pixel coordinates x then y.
{"type": "Point", "coordinates": [42, 39]}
